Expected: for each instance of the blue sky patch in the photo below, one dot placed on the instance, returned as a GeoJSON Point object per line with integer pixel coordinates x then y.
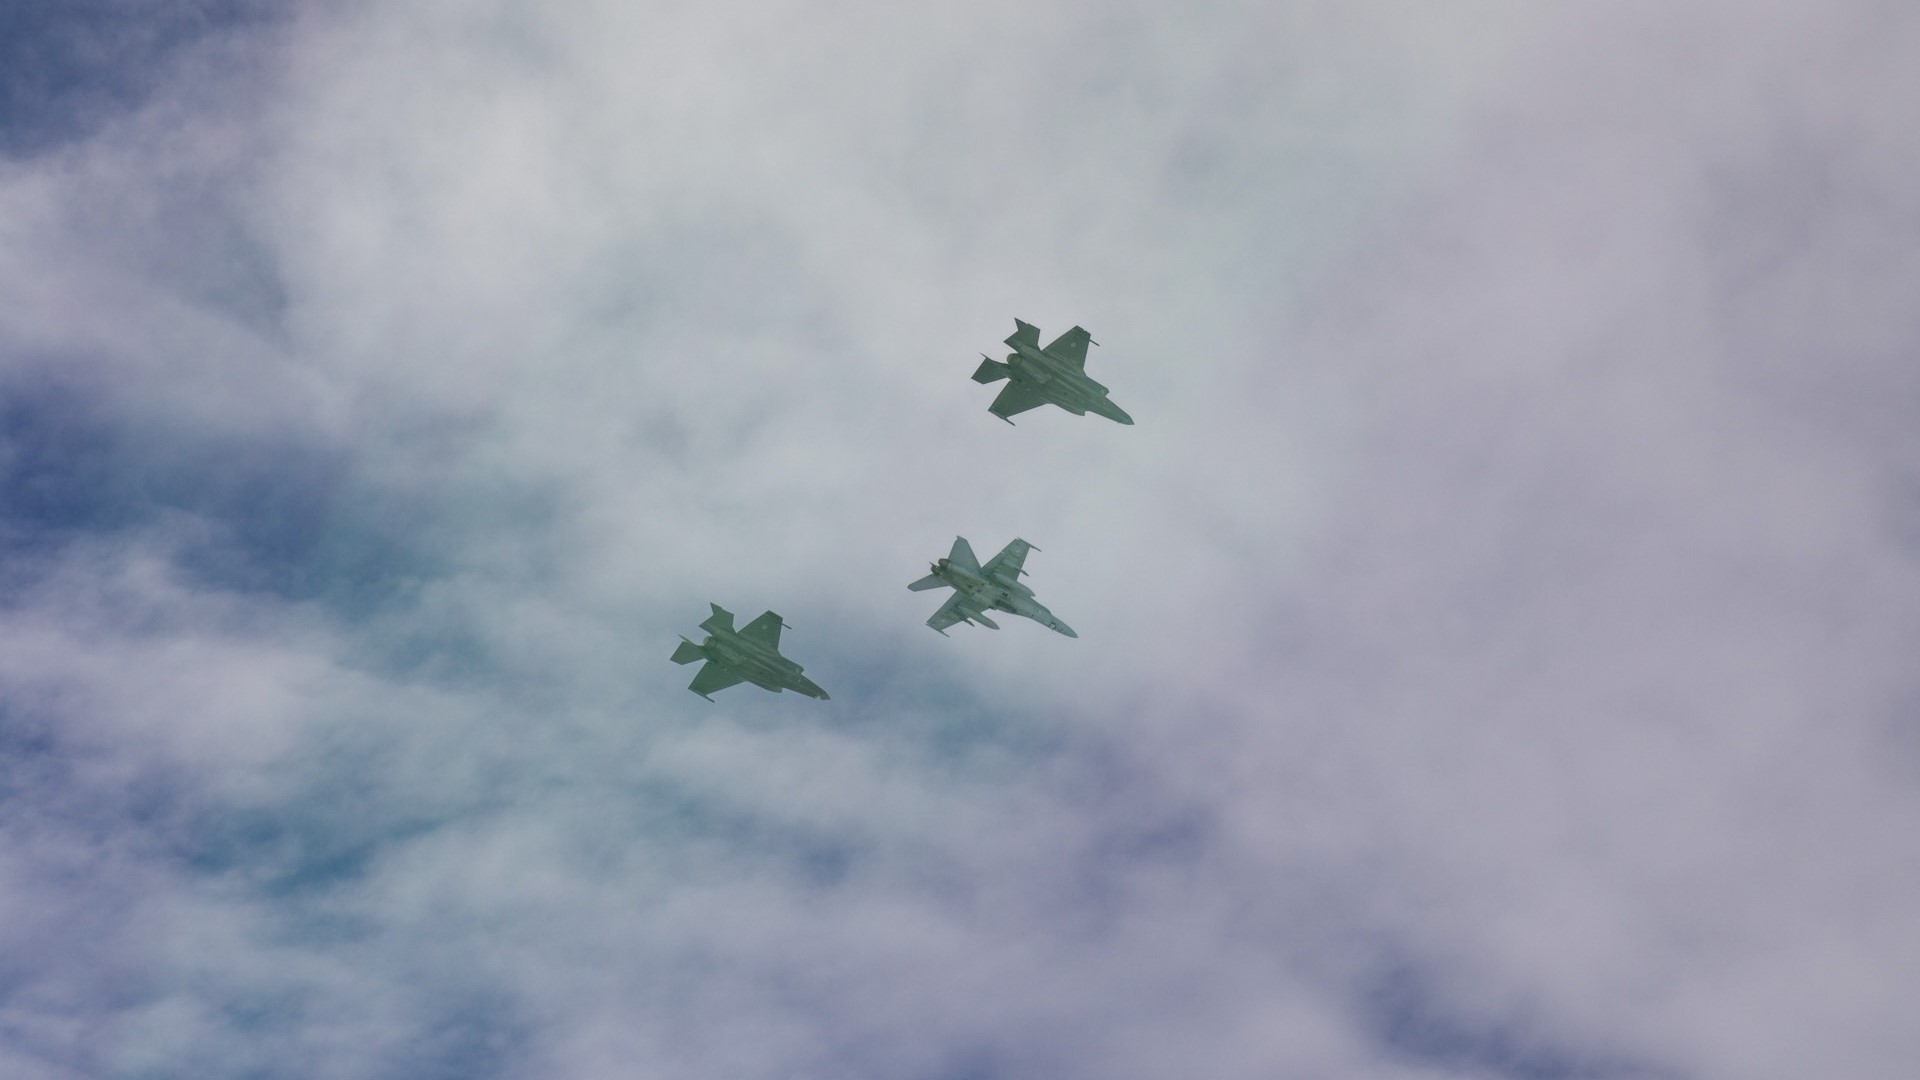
{"type": "Point", "coordinates": [67, 66]}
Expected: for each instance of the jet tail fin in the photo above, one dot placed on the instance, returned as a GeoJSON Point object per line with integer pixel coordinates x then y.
{"type": "Point", "coordinates": [931, 581]}
{"type": "Point", "coordinates": [990, 370]}
{"type": "Point", "coordinates": [687, 652]}
{"type": "Point", "coordinates": [962, 555]}
{"type": "Point", "coordinates": [720, 620]}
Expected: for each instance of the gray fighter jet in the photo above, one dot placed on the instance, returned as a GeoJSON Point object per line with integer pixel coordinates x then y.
{"type": "Point", "coordinates": [977, 588]}
{"type": "Point", "coordinates": [1055, 375]}
{"type": "Point", "coordinates": [750, 654]}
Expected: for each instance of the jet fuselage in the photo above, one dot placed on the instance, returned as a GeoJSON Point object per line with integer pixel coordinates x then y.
{"type": "Point", "coordinates": [750, 660]}
{"type": "Point", "coordinates": [1015, 599]}
{"type": "Point", "coordinates": [1064, 384]}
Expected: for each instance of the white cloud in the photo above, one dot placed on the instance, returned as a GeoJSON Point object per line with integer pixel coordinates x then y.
{"type": "Point", "coordinates": [1495, 632]}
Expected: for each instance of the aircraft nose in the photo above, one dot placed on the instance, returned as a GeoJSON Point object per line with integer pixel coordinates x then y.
{"type": "Point", "coordinates": [1065, 629]}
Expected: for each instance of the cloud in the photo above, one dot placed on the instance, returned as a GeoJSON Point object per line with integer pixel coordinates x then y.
{"type": "Point", "coordinates": [1495, 633]}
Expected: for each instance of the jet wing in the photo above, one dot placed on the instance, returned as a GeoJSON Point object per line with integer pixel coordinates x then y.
{"type": "Point", "coordinates": [765, 630]}
{"type": "Point", "coordinates": [1071, 347]}
{"type": "Point", "coordinates": [954, 610]}
{"type": "Point", "coordinates": [1006, 565]}
{"type": "Point", "coordinates": [1014, 399]}
{"type": "Point", "coordinates": [713, 677]}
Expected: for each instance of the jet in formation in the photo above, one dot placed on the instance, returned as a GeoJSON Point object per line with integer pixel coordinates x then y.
{"type": "Point", "coordinates": [749, 654]}
{"type": "Point", "coordinates": [976, 588]}
{"type": "Point", "coordinates": [1055, 375]}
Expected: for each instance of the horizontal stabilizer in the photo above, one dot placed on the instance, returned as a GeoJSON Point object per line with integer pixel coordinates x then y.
{"type": "Point", "coordinates": [990, 370]}
{"type": "Point", "coordinates": [687, 652]}
{"type": "Point", "coordinates": [931, 581]}
{"type": "Point", "coordinates": [1025, 333]}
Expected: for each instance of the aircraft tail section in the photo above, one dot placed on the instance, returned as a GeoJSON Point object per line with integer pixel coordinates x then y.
{"type": "Point", "coordinates": [962, 556]}
{"type": "Point", "coordinates": [721, 621]}
{"type": "Point", "coordinates": [931, 581]}
{"type": "Point", "coordinates": [1025, 334]}
{"type": "Point", "coordinates": [990, 370]}
{"type": "Point", "coordinates": [687, 652]}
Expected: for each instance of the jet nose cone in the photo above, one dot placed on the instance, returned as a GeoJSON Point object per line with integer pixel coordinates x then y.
{"type": "Point", "coordinates": [1065, 629]}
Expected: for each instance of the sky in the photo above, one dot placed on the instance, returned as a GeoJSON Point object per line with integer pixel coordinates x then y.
{"type": "Point", "coordinates": [1496, 632]}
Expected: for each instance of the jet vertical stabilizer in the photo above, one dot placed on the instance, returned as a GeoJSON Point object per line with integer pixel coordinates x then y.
{"type": "Point", "coordinates": [1024, 333]}
{"type": "Point", "coordinates": [962, 556]}
{"type": "Point", "coordinates": [721, 621]}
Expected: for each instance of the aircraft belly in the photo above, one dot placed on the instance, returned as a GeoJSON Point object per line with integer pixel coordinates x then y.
{"type": "Point", "coordinates": [1032, 609]}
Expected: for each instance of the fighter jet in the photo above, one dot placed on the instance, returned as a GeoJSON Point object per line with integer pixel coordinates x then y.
{"type": "Point", "coordinates": [750, 654]}
{"type": "Point", "coordinates": [1054, 375]}
{"type": "Point", "coordinates": [977, 588]}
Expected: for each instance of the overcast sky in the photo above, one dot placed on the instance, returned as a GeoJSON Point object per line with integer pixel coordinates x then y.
{"type": "Point", "coordinates": [1497, 634]}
